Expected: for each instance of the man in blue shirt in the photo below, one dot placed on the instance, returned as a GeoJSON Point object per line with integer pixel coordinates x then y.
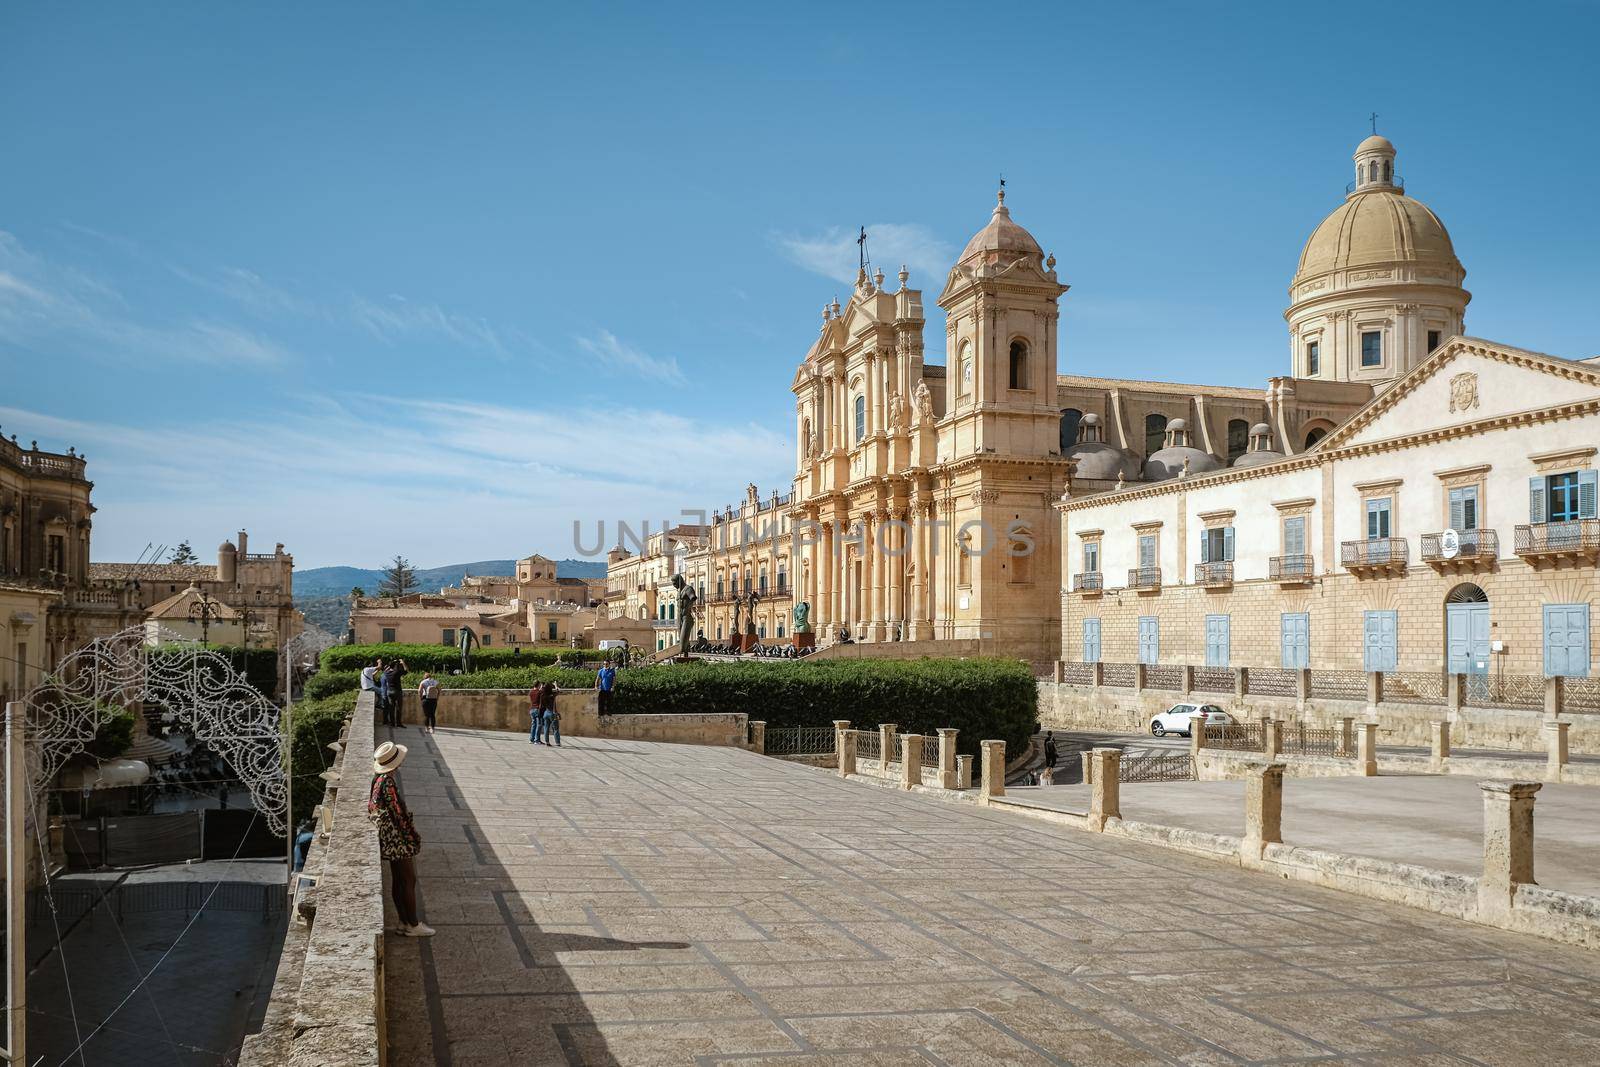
{"type": "Point", "coordinates": [604, 681]}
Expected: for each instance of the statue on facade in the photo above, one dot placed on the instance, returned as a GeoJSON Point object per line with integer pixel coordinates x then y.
{"type": "Point", "coordinates": [686, 604]}
{"type": "Point", "coordinates": [897, 412]}
{"type": "Point", "coordinates": [802, 618]}
{"type": "Point", "coordinates": [924, 401]}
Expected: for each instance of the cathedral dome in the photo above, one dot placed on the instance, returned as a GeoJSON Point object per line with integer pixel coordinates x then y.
{"type": "Point", "coordinates": [1171, 460]}
{"type": "Point", "coordinates": [1261, 450]}
{"type": "Point", "coordinates": [1098, 461]}
{"type": "Point", "coordinates": [1002, 238]}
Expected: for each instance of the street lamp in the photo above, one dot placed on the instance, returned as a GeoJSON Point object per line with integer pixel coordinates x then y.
{"type": "Point", "coordinates": [203, 610]}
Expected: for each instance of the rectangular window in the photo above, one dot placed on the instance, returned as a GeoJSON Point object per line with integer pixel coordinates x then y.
{"type": "Point", "coordinates": [1091, 640]}
{"type": "Point", "coordinates": [1149, 639]}
{"type": "Point", "coordinates": [1563, 505]}
{"type": "Point", "coordinates": [387, 636]}
{"type": "Point", "coordinates": [1313, 358]}
{"type": "Point", "coordinates": [447, 637]}
{"type": "Point", "coordinates": [1464, 509]}
{"type": "Point", "coordinates": [552, 629]}
{"type": "Point", "coordinates": [58, 553]}
{"type": "Point", "coordinates": [1147, 552]}
{"type": "Point", "coordinates": [1433, 339]}
{"type": "Point", "coordinates": [1371, 348]}
{"type": "Point", "coordinates": [1566, 640]}
{"type": "Point", "coordinates": [1091, 557]}
{"type": "Point", "coordinates": [1216, 545]}
{"type": "Point", "coordinates": [1378, 512]}
{"type": "Point", "coordinates": [1294, 536]}
{"type": "Point", "coordinates": [485, 640]}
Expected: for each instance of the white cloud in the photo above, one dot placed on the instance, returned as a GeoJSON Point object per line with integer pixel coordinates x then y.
{"type": "Point", "coordinates": [397, 318]}
{"type": "Point", "coordinates": [832, 253]}
{"type": "Point", "coordinates": [618, 355]}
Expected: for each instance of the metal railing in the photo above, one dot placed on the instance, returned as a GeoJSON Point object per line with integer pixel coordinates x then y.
{"type": "Point", "coordinates": [1375, 552]}
{"type": "Point", "coordinates": [1237, 737]}
{"type": "Point", "coordinates": [1298, 568]}
{"type": "Point", "coordinates": [1156, 767]}
{"type": "Point", "coordinates": [1077, 673]}
{"type": "Point", "coordinates": [800, 741]}
{"type": "Point", "coordinates": [1338, 685]}
{"type": "Point", "coordinates": [1168, 676]}
{"type": "Point", "coordinates": [1088, 582]}
{"type": "Point", "coordinates": [1580, 695]}
{"type": "Point", "coordinates": [869, 744]}
{"type": "Point", "coordinates": [1144, 578]}
{"type": "Point", "coordinates": [1413, 687]}
{"type": "Point", "coordinates": [1273, 682]}
{"type": "Point", "coordinates": [1117, 675]}
{"type": "Point", "coordinates": [1577, 535]}
{"type": "Point", "coordinates": [1298, 739]}
{"type": "Point", "coordinates": [1214, 573]}
{"type": "Point", "coordinates": [1397, 183]}
{"type": "Point", "coordinates": [1214, 680]}
{"type": "Point", "coordinates": [930, 750]}
{"type": "Point", "coordinates": [1503, 690]}
{"type": "Point", "coordinates": [1471, 545]}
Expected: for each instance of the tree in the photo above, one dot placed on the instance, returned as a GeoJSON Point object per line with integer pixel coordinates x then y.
{"type": "Point", "coordinates": [183, 554]}
{"type": "Point", "coordinates": [356, 592]}
{"type": "Point", "coordinates": [399, 578]}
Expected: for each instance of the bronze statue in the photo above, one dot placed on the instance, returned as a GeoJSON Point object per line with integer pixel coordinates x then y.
{"type": "Point", "coordinates": [467, 640]}
{"type": "Point", "coordinates": [686, 604]}
{"type": "Point", "coordinates": [802, 618]}
{"type": "Point", "coordinates": [750, 613]}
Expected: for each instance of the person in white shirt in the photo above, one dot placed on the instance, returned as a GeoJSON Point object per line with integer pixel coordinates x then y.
{"type": "Point", "coordinates": [369, 677]}
{"type": "Point", "coordinates": [428, 693]}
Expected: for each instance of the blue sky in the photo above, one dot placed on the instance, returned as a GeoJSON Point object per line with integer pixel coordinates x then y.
{"type": "Point", "coordinates": [441, 279]}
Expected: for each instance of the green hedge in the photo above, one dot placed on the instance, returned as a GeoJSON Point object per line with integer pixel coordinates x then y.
{"type": "Point", "coordinates": [437, 658]}
{"type": "Point", "coordinates": [517, 678]}
{"type": "Point", "coordinates": [316, 723]}
{"type": "Point", "coordinates": [326, 683]}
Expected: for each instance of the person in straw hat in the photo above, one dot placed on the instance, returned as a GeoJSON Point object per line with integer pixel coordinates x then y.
{"type": "Point", "coordinates": [398, 840]}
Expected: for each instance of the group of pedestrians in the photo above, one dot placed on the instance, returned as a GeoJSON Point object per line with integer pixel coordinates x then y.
{"type": "Point", "coordinates": [544, 719]}
{"type": "Point", "coordinates": [386, 681]}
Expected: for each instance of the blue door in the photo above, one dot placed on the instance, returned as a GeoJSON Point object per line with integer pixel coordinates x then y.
{"type": "Point", "coordinates": [1566, 640]}
{"type": "Point", "coordinates": [1380, 641]}
{"type": "Point", "coordinates": [1091, 640]}
{"type": "Point", "coordinates": [1149, 639]}
{"type": "Point", "coordinates": [1296, 639]}
{"type": "Point", "coordinates": [1217, 640]}
{"type": "Point", "coordinates": [1467, 644]}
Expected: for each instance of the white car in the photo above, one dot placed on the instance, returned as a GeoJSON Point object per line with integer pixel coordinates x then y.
{"type": "Point", "coordinates": [1175, 720]}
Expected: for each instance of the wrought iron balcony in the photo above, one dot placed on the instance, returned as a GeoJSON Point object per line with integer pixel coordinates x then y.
{"type": "Point", "coordinates": [1214, 574]}
{"type": "Point", "coordinates": [1144, 578]}
{"type": "Point", "coordinates": [1375, 556]}
{"type": "Point", "coordinates": [1577, 540]}
{"type": "Point", "coordinates": [1089, 583]}
{"type": "Point", "coordinates": [1291, 570]}
{"type": "Point", "coordinates": [1474, 548]}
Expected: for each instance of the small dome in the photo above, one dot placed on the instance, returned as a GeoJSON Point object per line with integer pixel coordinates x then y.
{"type": "Point", "coordinates": [1375, 143]}
{"type": "Point", "coordinates": [1001, 237]}
{"type": "Point", "coordinates": [1170, 460]}
{"type": "Point", "coordinates": [1261, 450]}
{"type": "Point", "coordinates": [1096, 460]}
{"type": "Point", "coordinates": [226, 546]}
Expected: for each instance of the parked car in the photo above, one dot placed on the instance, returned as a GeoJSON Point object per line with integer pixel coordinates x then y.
{"type": "Point", "coordinates": [1175, 720]}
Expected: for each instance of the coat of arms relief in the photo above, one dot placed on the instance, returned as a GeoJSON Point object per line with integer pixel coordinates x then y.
{"type": "Point", "coordinates": [1463, 392]}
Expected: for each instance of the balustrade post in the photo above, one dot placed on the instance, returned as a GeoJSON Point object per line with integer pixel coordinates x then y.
{"type": "Point", "coordinates": [885, 747]}
{"type": "Point", "coordinates": [994, 770]}
{"type": "Point", "coordinates": [1263, 811]}
{"type": "Point", "coordinates": [947, 758]}
{"type": "Point", "coordinates": [910, 760]}
{"type": "Point", "coordinates": [1088, 766]}
{"type": "Point", "coordinates": [1105, 800]}
{"type": "Point", "coordinates": [1374, 688]}
{"type": "Point", "coordinates": [1302, 687]}
{"type": "Point", "coordinates": [840, 728]}
{"type": "Point", "coordinates": [963, 772]}
{"type": "Point", "coordinates": [758, 737]}
{"type": "Point", "coordinates": [1455, 693]}
{"type": "Point", "coordinates": [1347, 734]}
{"type": "Point", "coordinates": [1367, 750]}
{"type": "Point", "coordinates": [1241, 683]}
{"type": "Point", "coordinates": [1060, 672]}
{"type": "Point", "coordinates": [1556, 741]}
{"type": "Point", "coordinates": [1138, 678]}
{"type": "Point", "coordinates": [847, 752]}
{"type": "Point", "coordinates": [1439, 735]}
{"type": "Point", "coordinates": [1097, 674]}
{"type": "Point", "coordinates": [1273, 739]}
{"type": "Point", "coordinates": [1507, 845]}
{"type": "Point", "coordinates": [1197, 735]}
{"type": "Point", "coordinates": [1187, 682]}
{"type": "Point", "coordinates": [1554, 696]}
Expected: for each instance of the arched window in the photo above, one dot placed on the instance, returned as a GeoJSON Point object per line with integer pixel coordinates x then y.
{"type": "Point", "coordinates": [1070, 417]}
{"type": "Point", "coordinates": [805, 438]}
{"type": "Point", "coordinates": [1238, 439]}
{"type": "Point", "coordinates": [780, 626]}
{"type": "Point", "coordinates": [1155, 433]}
{"type": "Point", "coordinates": [861, 417]}
{"type": "Point", "coordinates": [1019, 365]}
{"type": "Point", "coordinates": [1315, 435]}
{"type": "Point", "coordinates": [964, 365]}
{"type": "Point", "coordinates": [672, 611]}
{"type": "Point", "coordinates": [1387, 173]}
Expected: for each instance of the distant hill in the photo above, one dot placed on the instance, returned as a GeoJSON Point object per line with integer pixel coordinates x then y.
{"type": "Point", "coordinates": [338, 581]}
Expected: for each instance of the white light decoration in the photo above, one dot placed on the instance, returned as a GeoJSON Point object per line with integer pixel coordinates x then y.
{"type": "Point", "coordinates": [199, 686]}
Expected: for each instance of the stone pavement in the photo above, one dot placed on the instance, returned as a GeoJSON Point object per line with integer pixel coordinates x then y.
{"type": "Point", "coordinates": [632, 903]}
{"type": "Point", "coordinates": [1429, 820]}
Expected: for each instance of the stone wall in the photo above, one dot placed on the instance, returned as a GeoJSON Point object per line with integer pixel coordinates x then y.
{"type": "Point", "coordinates": [507, 709]}
{"type": "Point", "coordinates": [1070, 707]}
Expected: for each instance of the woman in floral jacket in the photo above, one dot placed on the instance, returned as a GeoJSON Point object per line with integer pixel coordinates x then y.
{"type": "Point", "coordinates": [398, 840]}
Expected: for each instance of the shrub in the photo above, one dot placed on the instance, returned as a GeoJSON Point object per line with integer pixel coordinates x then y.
{"type": "Point", "coordinates": [258, 665]}
{"type": "Point", "coordinates": [440, 659]}
{"type": "Point", "coordinates": [327, 683]}
{"type": "Point", "coordinates": [519, 678]}
{"type": "Point", "coordinates": [114, 734]}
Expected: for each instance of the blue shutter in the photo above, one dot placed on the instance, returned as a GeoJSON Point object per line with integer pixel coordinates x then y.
{"type": "Point", "coordinates": [1205, 546]}
{"type": "Point", "coordinates": [1091, 640]}
{"type": "Point", "coordinates": [1227, 544]}
{"type": "Point", "coordinates": [1586, 494]}
{"type": "Point", "coordinates": [1458, 510]}
{"type": "Point", "coordinates": [1536, 491]}
{"type": "Point", "coordinates": [1566, 640]}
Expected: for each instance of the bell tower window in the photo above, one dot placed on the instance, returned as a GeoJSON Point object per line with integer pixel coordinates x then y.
{"type": "Point", "coordinates": [1019, 365]}
{"type": "Point", "coordinates": [1371, 348]}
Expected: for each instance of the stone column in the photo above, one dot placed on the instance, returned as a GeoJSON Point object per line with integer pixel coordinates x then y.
{"type": "Point", "coordinates": [1302, 687]}
{"type": "Point", "coordinates": [1105, 801]}
{"type": "Point", "coordinates": [1507, 846]}
{"type": "Point", "coordinates": [1374, 688]}
{"type": "Point", "coordinates": [1138, 678]}
{"type": "Point", "coordinates": [1197, 735]}
{"type": "Point", "coordinates": [1347, 734]}
{"type": "Point", "coordinates": [840, 728]}
{"type": "Point", "coordinates": [994, 770]}
{"type": "Point", "coordinates": [867, 611]}
{"type": "Point", "coordinates": [1088, 766]}
{"type": "Point", "coordinates": [822, 573]}
{"type": "Point", "coordinates": [1367, 750]}
{"type": "Point", "coordinates": [963, 772]}
{"type": "Point", "coordinates": [1455, 693]}
{"type": "Point", "coordinates": [847, 753]}
{"type": "Point", "coordinates": [910, 760]}
{"type": "Point", "coordinates": [886, 749]}
{"type": "Point", "coordinates": [1187, 684]}
{"type": "Point", "coordinates": [1554, 694]}
{"type": "Point", "coordinates": [1097, 674]}
{"type": "Point", "coordinates": [1263, 810]}
{"type": "Point", "coordinates": [1059, 671]}
{"type": "Point", "coordinates": [947, 758]}
{"type": "Point", "coordinates": [1439, 736]}
{"type": "Point", "coordinates": [1274, 739]}
{"type": "Point", "coordinates": [1241, 683]}
{"type": "Point", "coordinates": [758, 737]}
{"type": "Point", "coordinates": [1555, 734]}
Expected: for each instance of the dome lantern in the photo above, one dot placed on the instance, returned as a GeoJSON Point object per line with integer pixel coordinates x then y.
{"type": "Point", "coordinates": [1374, 160]}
